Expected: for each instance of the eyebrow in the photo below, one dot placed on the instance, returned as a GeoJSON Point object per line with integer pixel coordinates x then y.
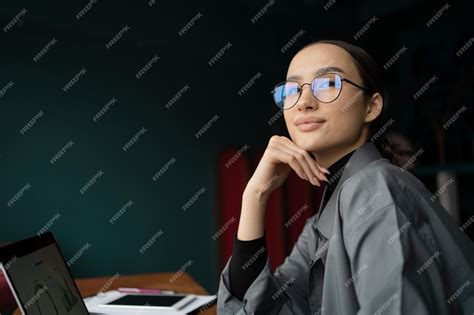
{"type": "Point", "coordinates": [319, 72]}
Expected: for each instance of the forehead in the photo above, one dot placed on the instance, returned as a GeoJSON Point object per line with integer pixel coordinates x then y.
{"type": "Point", "coordinates": [306, 63]}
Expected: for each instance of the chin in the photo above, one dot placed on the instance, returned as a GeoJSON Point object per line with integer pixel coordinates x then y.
{"type": "Point", "coordinates": [310, 143]}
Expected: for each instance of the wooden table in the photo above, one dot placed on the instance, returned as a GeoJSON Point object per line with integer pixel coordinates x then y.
{"type": "Point", "coordinates": [182, 284]}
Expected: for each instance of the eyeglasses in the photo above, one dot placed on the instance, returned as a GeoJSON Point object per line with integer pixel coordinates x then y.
{"type": "Point", "coordinates": [326, 89]}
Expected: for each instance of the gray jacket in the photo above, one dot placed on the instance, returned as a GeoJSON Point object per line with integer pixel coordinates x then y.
{"type": "Point", "coordinates": [387, 245]}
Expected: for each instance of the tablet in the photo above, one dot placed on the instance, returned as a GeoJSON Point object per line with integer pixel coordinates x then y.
{"type": "Point", "coordinates": [152, 301]}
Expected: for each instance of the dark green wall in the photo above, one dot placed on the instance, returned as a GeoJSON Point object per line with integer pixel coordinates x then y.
{"type": "Point", "coordinates": [171, 132]}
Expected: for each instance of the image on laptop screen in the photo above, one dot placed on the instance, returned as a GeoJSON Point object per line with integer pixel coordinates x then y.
{"type": "Point", "coordinates": [43, 283]}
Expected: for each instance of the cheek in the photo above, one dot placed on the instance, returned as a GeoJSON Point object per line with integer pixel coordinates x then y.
{"type": "Point", "coordinates": [349, 109]}
{"type": "Point", "coordinates": [348, 121]}
{"type": "Point", "coordinates": [289, 121]}
{"type": "Point", "coordinates": [293, 133]}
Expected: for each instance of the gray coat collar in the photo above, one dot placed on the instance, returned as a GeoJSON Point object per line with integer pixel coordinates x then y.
{"type": "Point", "coordinates": [364, 155]}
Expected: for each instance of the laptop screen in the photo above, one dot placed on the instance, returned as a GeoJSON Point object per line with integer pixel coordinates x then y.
{"type": "Point", "coordinates": [41, 279]}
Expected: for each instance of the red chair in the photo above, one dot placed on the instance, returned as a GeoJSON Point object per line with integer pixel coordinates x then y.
{"type": "Point", "coordinates": [232, 177]}
{"type": "Point", "coordinates": [7, 301]}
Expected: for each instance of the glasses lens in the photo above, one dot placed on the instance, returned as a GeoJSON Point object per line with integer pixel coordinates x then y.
{"type": "Point", "coordinates": [286, 94]}
{"type": "Point", "coordinates": [327, 87]}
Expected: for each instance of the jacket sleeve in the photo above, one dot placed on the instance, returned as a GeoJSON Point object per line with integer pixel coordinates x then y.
{"type": "Point", "coordinates": [393, 271]}
{"type": "Point", "coordinates": [282, 292]}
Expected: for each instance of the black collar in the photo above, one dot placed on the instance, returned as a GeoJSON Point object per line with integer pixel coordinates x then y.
{"type": "Point", "coordinates": [336, 170]}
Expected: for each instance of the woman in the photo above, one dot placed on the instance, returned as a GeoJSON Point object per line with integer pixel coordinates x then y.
{"type": "Point", "coordinates": [381, 243]}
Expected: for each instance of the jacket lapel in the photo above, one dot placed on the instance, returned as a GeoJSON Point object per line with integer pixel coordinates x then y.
{"type": "Point", "coordinates": [364, 155]}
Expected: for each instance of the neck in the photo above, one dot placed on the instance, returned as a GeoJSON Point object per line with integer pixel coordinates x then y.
{"type": "Point", "coordinates": [331, 156]}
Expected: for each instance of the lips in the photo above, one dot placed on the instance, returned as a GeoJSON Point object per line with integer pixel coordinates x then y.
{"type": "Point", "coordinates": [309, 123]}
{"type": "Point", "coordinates": [308, 120]}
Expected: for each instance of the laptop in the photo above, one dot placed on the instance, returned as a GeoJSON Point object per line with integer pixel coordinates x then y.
{"type": "Point", "coordinates": [39, 277]}
{"type": "Point", "coordinates": [42, 283]}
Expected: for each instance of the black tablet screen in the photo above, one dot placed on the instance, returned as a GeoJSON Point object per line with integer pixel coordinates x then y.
{"type": "Point", "coordinates": [147, 300]}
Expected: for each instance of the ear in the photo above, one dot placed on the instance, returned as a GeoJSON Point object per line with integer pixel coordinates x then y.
{"type": "Point", "coordinates": [374, 107]}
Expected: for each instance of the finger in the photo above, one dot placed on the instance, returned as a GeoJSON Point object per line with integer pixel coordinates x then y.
{"type": "Point", "coordinates": [317, 169]}
{"type": "Point", "coordinates": [304, 158]}
{"type": "Point", "coordinates": [295, 163]}
{"type": "Point", "coordinates": [300, 159]}
{"type": "Point", "coordinates": [286, 157]}
{"type": "Point", "coordinates": [313, 165]}
{"type": "Point", "coordinates": [278, 143]}
{"type": "Point", "coordinates": [322, 169]}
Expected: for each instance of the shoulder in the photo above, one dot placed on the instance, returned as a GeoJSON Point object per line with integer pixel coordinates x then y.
{"type": "Point", "coordinates": [378, 187]}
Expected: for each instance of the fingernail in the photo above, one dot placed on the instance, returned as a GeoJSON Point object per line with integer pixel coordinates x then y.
{"type": "Point", "coordinates": [325, 170]}
{"type": "Point", "coordinates": [315, 181]}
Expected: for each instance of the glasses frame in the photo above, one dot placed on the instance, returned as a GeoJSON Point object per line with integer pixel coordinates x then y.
{"type": "Point", "coordinates": [300, 88]}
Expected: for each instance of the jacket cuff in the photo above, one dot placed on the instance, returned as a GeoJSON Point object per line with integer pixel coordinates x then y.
{"type": "Point", "coordinates": [258, 297]}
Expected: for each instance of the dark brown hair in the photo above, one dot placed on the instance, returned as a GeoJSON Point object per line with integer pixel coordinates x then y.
{"type": "Point", "coordinates": [372, 80]}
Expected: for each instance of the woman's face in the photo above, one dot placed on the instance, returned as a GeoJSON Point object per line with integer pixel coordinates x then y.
{"type": "Point", "coordinates": [346, 118]}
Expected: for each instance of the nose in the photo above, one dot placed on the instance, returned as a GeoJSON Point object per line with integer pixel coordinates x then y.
{"type": "Point", "coordinates": [307, 100]}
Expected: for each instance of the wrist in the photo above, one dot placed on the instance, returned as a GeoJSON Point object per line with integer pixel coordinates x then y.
{"type": "Point", "coordinates": [255, 193]}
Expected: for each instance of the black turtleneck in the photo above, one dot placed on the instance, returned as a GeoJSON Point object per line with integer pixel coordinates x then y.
{"type": "Point", "coordinates": [249, 257]}
{"type": "Point", "coordinates": [336, 171]}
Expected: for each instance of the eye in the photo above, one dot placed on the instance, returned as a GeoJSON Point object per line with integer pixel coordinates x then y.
{"type": "Point", "coordinates": [292, 89]}
{"type": "Point", "coordinates": [324, 83]}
